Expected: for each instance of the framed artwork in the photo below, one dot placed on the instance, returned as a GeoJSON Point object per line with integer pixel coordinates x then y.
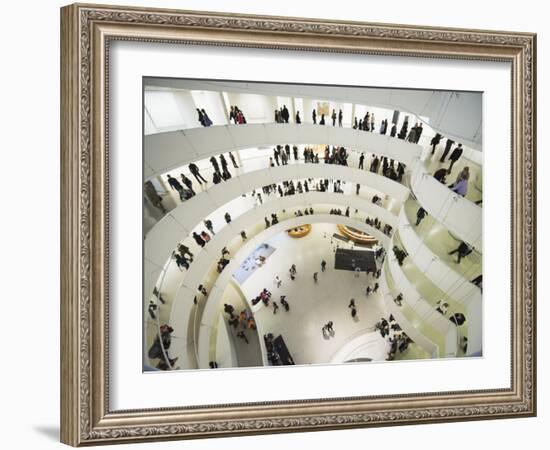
{"type": "Point", "coordinates": [285, 224]}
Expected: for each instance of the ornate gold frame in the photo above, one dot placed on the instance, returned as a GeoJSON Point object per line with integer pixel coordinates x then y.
{"type": "Point", "coordinates": [86, 31]}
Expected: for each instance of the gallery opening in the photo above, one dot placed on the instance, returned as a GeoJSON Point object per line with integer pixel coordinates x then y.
{"type": "Point", "coordinates": [295, 224]}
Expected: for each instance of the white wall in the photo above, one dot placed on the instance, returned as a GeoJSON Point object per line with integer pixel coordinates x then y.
{"type": "Point", "coordinates": [31, 397]}
{"type": "Point", "coordinates": [256, 108]}
{"type": "Point", "coordinates": [212, 103]}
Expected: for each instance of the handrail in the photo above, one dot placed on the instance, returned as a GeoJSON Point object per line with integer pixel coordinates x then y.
{"type": "Point", "coordinates": [169, 150]}
{"type": "Point", "coordinates": [295, 170]}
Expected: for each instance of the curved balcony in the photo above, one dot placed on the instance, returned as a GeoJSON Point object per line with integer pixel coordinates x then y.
{"type": "Point", "coordinates": [166, 151]}
{"type": "Point", "coordinates": [460, 216]}
{"type": "Point", "coordinates": [438, 267]}
{"type": "Point", "coordinates": [440, 330]}
{"type": "Point", "coordinates": [366, 345]}
{"type": "Point", "coordinates": [163, 238]}
{"type": "Point", "coordinates": [211, 305]}
{"type": "Point", "coordinates": [425, 336]}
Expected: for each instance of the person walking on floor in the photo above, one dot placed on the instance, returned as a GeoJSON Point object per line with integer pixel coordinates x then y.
{"type": "Point", "coordinates": [275, 307]}
{"type": "Point", "coordinates": [242, 336]}
{"type": "Point", "coordinates": [315, 279]}
{"type": "Point", "coordinates": [278, 281]}
{"type": "Point", "coordinates": [284, 303]}
{"type": "Point", "coordinates": [323, 265]}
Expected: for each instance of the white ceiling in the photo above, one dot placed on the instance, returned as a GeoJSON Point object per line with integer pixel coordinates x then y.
{"type": "Point", "coordinates": [455, 114]}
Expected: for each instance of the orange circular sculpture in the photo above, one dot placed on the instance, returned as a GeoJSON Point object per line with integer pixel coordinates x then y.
{"type": "Point", "coordinates": [357, 236]}
{"type": "Point", "coordinates": [299, 232]}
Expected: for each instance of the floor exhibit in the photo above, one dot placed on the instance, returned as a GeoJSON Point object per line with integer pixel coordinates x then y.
{"type": "Point", "coordinates": [302, 224]}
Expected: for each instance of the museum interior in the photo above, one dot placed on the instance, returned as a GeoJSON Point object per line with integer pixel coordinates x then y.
{"type": "Point", "coordinates": [288, 224]}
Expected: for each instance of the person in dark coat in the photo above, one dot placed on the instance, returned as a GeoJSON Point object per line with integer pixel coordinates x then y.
{"type": "Point", "coordinates": [153, 196]}
{"type": "Point", "coordinates": [440, 175]}
{"type": "Point", "coordinates": [174, 184]}
{"type": "Point", "coordinates": [214, 163]}
{"type": "Point", "coordinates": [298, 120]}
{"type": "Point", "coordinates": [463, 250]}
{"type": "Point", "coordinates": [188, 183]}
{"type": "Point", "coordinates": [435, 141]}
{"type": "Point", "coordinates": [314, 117]}
{"type": "Point", "coordinates": [285, 114]}
{"type": "Point", "coordinates": [448, 146]}
{"type": "Point", "coordinates": [201, 117]}
{"type": "Point", "coordinates": [200, 241]}
{"type": "Point", "coordinates": [232, 158]}
{"type": "Point", "coordinates": [193, 168]}
{"type": "Point", "coordinates": [420, 214]}
{"type": "Point", "coordinates": [207, 121]}
{"type": "Point", "coordinates": [455, 156]}
{"type": "Point", "coordinates": [361, 160]}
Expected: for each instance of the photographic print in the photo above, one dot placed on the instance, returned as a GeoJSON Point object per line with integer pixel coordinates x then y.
{"type": "Point", "coordinates": [297, 224]}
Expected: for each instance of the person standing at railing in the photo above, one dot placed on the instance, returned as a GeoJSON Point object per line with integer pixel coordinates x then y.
{"type": "Point", "coordinates": [198, 239]}
{"type": "Point", "coordinates": [463, 250]}
{"type": "Point", "coordinates": [181, 261]}
{"type": "Point", "coordinates": [206, 119]}
{"type": "Point", "coordinates": [187, 183]}
{"type": "Point", "coordinates": [209, 226]}
{"type": "Point", "coordinates": [285, 114]}
{"type": "Point", "coordinates": [448, 146]}
{"type": "Point", "coordinates": [193, 168]}
{"type": "Point", "coordinates": [154, 197]}
{"type": "Point", "coordinates": [460, 186]}
{"type": "Point", "coordinates": [174, 184]}
{"type": "Point", "coordinates": [441, 175]}
{"type": "Point", "coordinates": [232, 158]}
{"type": "Point", "coordinates": [420, 214]}
{"type": "Point", "coordinates": [435, 141]}
{"type": "Point", "coordinates": [455, 156]}
{"type": "Point", "coordinates": [418, 132]}
{"type": "Point", "coordinates": [184, 250]}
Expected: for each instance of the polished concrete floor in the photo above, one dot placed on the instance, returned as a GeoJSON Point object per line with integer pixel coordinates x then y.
{"type": "Point", "coordinates": [313, 304]}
